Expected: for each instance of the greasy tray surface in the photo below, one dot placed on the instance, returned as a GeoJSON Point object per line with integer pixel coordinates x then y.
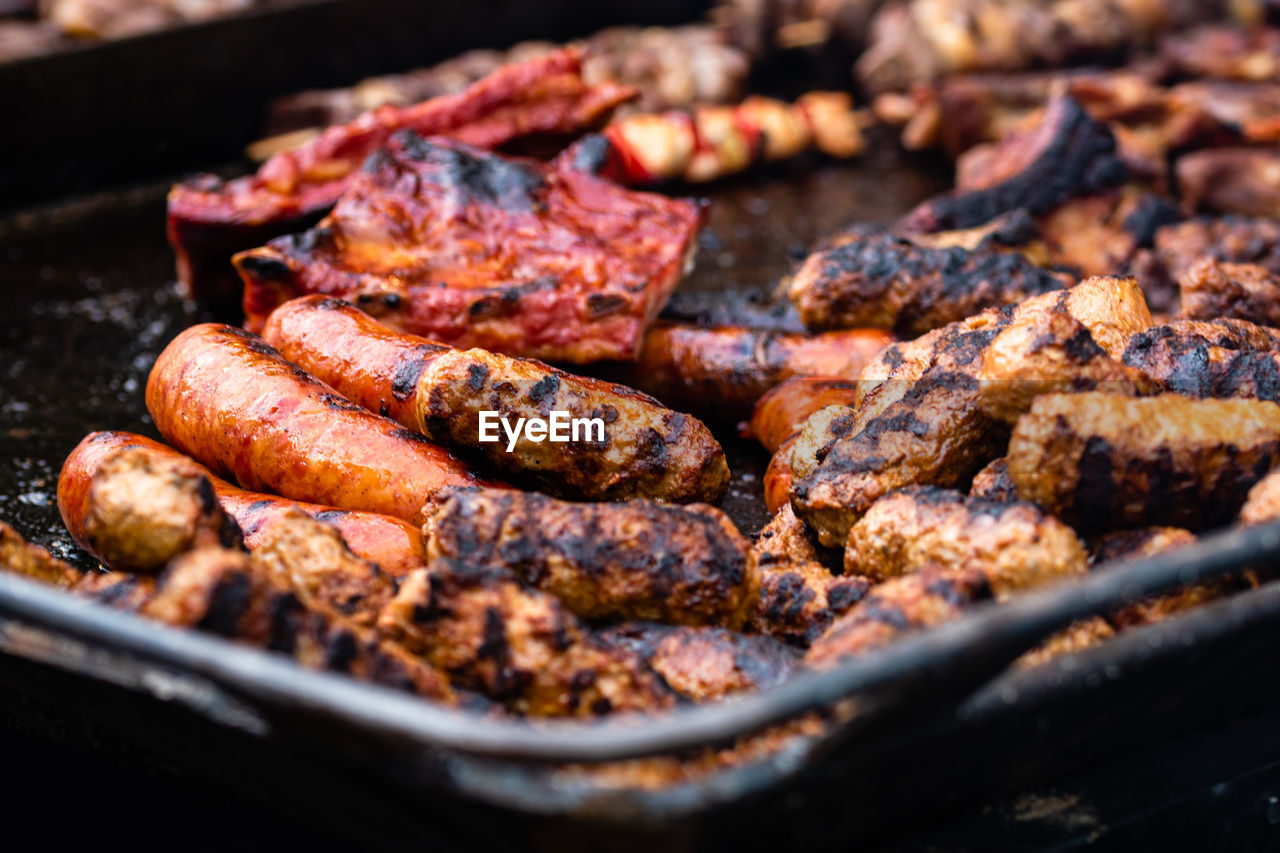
{"type": "Point", "coordinates": [89, 301]}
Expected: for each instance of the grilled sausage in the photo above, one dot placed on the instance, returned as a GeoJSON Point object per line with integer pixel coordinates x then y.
{"type": "Point", "coordinates": [781, 412]}
{"type": "Point", "coordinates": [639, 560]}
{"type": "Point", "coordinates": [726, 370]}
{"type": "Point", "coordinates": [647, 450]}
{"type": "Point", "coordinates": [395, 545]}
{"type": "Point", "coordinates": [223, 396]}
{"type": "Point", "coordinates": [1101, 461]}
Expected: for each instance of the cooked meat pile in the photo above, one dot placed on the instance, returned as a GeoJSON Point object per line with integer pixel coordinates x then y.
{"type": "Point", "coordinates": [1068, 361]}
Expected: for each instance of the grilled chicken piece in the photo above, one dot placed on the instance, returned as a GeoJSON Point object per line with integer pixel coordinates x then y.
{"type": "Point", "coordinates": [993, 483]}
{"type": "Point", "coordinates": [1014, 545]}
{"type": "Point", "coordinates": [211, 219]}
{"type": "Point", "coordinates": [710, 142]}
{"type": "Point", "coordinates": [1067, 155]}
{"type": "Point", "coordinates": [1101, 460]}
{"type": "Point", "coordinates": [929, 597]}
{"type": "Point", "coordinates": [1211, 289]}
{"type": "Point", "coordinates": [897, 283]}
{"type": "Point", "coordinates": [704, 664]}
{"type": "Point", "coordinates": [727, 369]}
{"type": "Point", "coordinates": [470, 249]}
{"type": "Point", "coordinates": [643, 449]}
{"type": "Point", "coordinates": [141, 512]}
{"type": "Point", "coordinates": [780, 413]}
{"type": "Point", "coordinates": [799, 597]}
{"type": "Point", "coordinates": [1046, 349]}
{"type": "Point", "coordinates": [1234, 239]}
{"type": "Point", "coordinates": [1243, 181]}
{"type": "Point", "coordinates": [670, 67]}
{"type": "Point", "coordinates": [920, 40]}
{"type": "Point", "coordinates": [1210, 358]}
{"type": "Point", "coordinates": [639, 560]}
{"type": "Point", "coordinates": [1102, 234]}
{"type": "Point", "coordinates": [1224, 52]}
{"type": "Point", "coordinates": [935, 434]}
{"type": "Point", "coordinates": [395, 545]}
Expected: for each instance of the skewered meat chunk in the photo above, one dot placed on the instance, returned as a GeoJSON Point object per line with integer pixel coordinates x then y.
{"type": "Point", "coordinates": [467, 248]}
{"type": "Point", "coordinates": [799, 597]}
{"type": "Point", "coordinates": [1066, 155]}
{"type": "Point", "coordinates": [993, 483]}
{"type": "Point", "coordinates": [1045, 348]}
{"type": "Point", "coordinates": [1102, 234]}
{"type": "Point", "coordinates": [727, 369]}
{"type": "Point", "coordinates": [1101, 460]}
{"type": "Point", "coordinates": [781, 411]}
{"type": "Point", "coordinates": [394, 545]}
{"type": "Point", "coordinates": [710, 142]}
{"type": "Point", "coordinates": [211, 219]}
{"type": "Point", "coordinates": [704, 664]}
{"type": "Point", "coordinates": [644, 450]}
{"type": "Point", "coordinates": [929, 597]}
{"type": "Point", "coordinates": [1015, 545]}
{"type": "Point", "coordinates": [935, 434]}
{"type": "Point", "coordinates": [1211, 289]}
{"type": "Point", "coordinates": [669, 66]}
{"type": "Point", "coordinates": [896, 283]}
{"type": "Point", "coordinates": [226, 398]}
{"type": "Point", "coordinates": [1243, 181]}
{"type": "Point", "coordinates": [918, 40]}
{"type": "Point", "coordinates": [639, 560]}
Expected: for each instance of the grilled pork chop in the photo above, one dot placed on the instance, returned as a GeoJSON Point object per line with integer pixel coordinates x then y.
{"type": "Point", "coordinates": [468, 248]}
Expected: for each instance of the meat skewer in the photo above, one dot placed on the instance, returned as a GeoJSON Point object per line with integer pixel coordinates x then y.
{"type": "Point", "coordinates": [707, 142]}
{"type": "Point", "coordinates": [470, 249]}
{"type": "Point", "coordinates": [394, 545]}
{"type": "Point", "coordinates": [227, 399]}
{"type": "Point", "coordinates": [643, 449]}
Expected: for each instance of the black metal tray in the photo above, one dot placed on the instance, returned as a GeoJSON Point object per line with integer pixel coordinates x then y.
{"type": "Point", "coordinates": [89, 302]}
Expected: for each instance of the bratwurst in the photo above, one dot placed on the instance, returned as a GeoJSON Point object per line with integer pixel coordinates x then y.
{"type": "Point", "coordinates": [226, 398]}
{"type": "Point", "coordinates": [643, 449]}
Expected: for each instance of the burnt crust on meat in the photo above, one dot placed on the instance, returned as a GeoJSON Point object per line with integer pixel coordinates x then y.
{"type": "Point", "coordinates": [895, 283]}
{"type": "Point", "coordinates": [638, 560]}
{"type": "Point", "coordinates": [1069, 154]}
